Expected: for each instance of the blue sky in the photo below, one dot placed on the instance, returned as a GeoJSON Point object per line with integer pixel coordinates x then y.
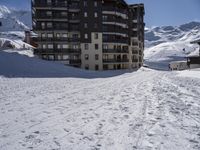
{"type": "Point", "coordinates": [158, 12]}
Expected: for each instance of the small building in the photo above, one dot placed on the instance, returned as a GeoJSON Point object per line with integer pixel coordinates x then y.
{"type": "Point", "coordinates": [194, 61]}
{"type": "Point", "coordinates": [178, 65]}
{"type": "Point", "coordinates": [29, 38]}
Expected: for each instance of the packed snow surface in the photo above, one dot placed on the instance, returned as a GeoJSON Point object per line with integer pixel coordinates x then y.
{"type": "Point", "coordinates": [67, 108]}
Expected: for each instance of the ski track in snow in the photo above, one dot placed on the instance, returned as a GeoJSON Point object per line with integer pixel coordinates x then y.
{"type": "Point", "coordinates": [141, 110]}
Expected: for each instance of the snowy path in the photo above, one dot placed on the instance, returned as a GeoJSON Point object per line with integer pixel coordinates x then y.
{"type": "Point", "coordinates": [141, 110]}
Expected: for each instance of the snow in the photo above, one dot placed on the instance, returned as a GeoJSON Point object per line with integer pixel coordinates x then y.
{"type": "Point", "coordinates": [14, 20]}
{"type": "Point", "coordinates": [194, 73]}
{"type": "Point", "coordinates": [168, 43]}
{"type": "Point", "coordinates": [45, 105]}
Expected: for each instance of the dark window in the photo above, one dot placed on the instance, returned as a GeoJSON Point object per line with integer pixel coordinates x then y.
{"type": "Point", "coordinates": [96, 57]}
{"type": "Point", "coordinates": [87, 67]}
{"type": "Point", "coordinates": [86, 56]}
{"type": "Point", "coordinates": [96, 36]}
{"type": "Point", "coordinates": [96, 46]}
{"type": "Point", "coordinates": [85, 3]}
{"type": "Point", "coordinates": [86, 47]}
{"type": "Point", "coordinates": [96, 67]}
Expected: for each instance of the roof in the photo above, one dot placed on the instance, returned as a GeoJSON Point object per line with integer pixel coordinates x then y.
{"type": "Point", "coordinates": [196, 41]}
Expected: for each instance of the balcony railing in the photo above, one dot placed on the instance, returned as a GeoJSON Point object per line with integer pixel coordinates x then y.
{"type": "Point", "coordinates": [115, 60]}
{"type": "Point", "coordinates": [53, 51]}
{"type": "Point", "coordinates": [110, 40]}
{"type": "Point", "coordinates": [134, 52]}
{"type": "Point", "coordinates": [75, 61]}
{"type": "Point", "coordinates": [115, 51]}
{"type": "Point", "coordinates": [57, 39]}
{"type": "Point", "coordinates": [134, 60]}
{"type": "Point", "coordinates": [63, 5]}
{"type": "Point", "coordinates": [115, 9]}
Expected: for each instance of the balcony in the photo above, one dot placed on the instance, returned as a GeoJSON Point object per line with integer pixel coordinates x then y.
{"type": "Point", "coordinates": [114, 29]}
{"type": "Point", "coordinates": [134, 60]}
{"type": "Point", "coordinates": [114, 9]}
{"type": "Point", "coordinates": [110, 40]}
{"type": "Point", "coordinates": [39, 28]}
{"type": "Point", "coordinates": [50, 5]}
{"type": "Point", "coordinates": [115, 20]}
{"type": "Point", "coordinates": [134, 52]}
{"type": "Point", "coordinates": [75, 61]}
{"type": "Point", "coordinates": [56, 39]}
{"type": "Point", "coordinates": [54, 51]}
{"type": "Point", "coordinates": [74, 8]}
{"type": "Point", "coordinates": [115, 60]}
{"type": "Point", "coordinates": [115, 51]}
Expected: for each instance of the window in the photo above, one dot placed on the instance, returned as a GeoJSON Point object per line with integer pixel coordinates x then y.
{"type": "Point", "coordinates": [43, 25]}
{"type": "Point", "coordinates": [86, 36]}
{"type": "Point", "coordinates": [95, 15]}
{"type": "Point", "coordinates": [49, 25]}
{"type": "Point", "coordinates": [65, 35]}
{"type": "Point", "coordinates": [85, 25]}
{"type": "Point", "coordinates": [65, 57]}
{"type": "Point", "coordinates": [48, 2]}
{"type": "Point", "coordinates": [50, 46]}
{"type": "Point", "coordinates": [87, 67]}
{"type": "Point", "coordinates": [85, 3]}
{"type": "Point", "coordinates": [105, 18]}
{"type": "Point", "coordinates": [49, 35]}
{"type": "Point", "coordinates": [96, 67]}
{"type": "Point", "coordinates": [75, 36]}
{"type": "Point", "coordinates": [75, 46]}
{"type": "Point", "coordinates": [96, 46]}
{"type": "Point", "coordinates": [59, 57]}
{"type": "Point", "coordinates": [43, 46]}
{"type": "Point", "coordinates": [96, 36]}
{"type": "Point", "coordinates": [51, 57]}
{"type": "Point", "coordinates": [43, 35]}
{"type": "Point", "coordinates": [49, 13]}
{"type": "Point", "coordinates": [96, 57]}
{"type": "Point", "coordinates": [59, 46]}
{"type": "Point", "coordinates": [44, 56]}
{"type": "Point", "coordinates": [65, 46]}
{"type": "Point", "coordinates": [105, 46]}
{"type": "Point", "coordinates": [86, 57]}
{"type": "Point", "coordinates": [95, 4]}
{"type": "Point", "coordinates": [86, 47]}
{"type": "Point", "coordinates": [85, 14]}
{"type": "Point", "coordinates": [58, 35]}
{"type": "Point", "coordinates": [64, 13]}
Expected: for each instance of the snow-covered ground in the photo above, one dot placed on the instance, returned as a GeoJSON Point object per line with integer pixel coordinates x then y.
{"type": "Point", "coordinates": [64, 108]}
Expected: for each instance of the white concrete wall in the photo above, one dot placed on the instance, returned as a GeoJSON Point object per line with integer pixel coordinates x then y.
{"type": "Point", "coordinates": [92, 52]}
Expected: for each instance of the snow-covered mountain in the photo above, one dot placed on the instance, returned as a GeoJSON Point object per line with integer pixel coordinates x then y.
{"type": "Point", "coordinates": [13, 23]}
{"type": "Point", "coordinates": [14, 20]}
{"type": "Point", "coordinates": [167, 43]}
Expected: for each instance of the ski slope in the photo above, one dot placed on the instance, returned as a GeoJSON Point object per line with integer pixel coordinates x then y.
{"type": "Point", "coordinates": [64, 108]}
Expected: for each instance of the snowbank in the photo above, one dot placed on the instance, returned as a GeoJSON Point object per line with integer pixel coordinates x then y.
{"type": "Point", "coordinates": [195, 73]}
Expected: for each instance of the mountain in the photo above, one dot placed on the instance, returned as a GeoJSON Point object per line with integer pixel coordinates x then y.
{"type": "Point", "coordinates": [14, 20]}
{"type": "Point", "coordinates": [169, 43]}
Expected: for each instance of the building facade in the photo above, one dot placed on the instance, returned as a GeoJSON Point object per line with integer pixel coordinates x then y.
{"type": "Point", "coordinates": [90, 34]}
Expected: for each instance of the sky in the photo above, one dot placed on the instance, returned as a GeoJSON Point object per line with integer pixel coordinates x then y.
{"type": "Point", "coordinates": [157, 12]}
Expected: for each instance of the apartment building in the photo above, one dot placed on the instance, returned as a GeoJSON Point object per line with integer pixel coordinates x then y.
{"type": "Point", "coordinates": [90, 34]}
